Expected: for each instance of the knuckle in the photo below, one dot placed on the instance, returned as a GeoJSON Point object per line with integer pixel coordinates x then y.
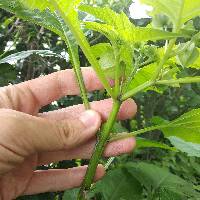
{"type": "Point", "coordinates": [67, 134]}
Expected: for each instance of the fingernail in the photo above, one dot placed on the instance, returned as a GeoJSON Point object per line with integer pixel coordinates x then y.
{"type": "Point", "coordinates": [90, 119]}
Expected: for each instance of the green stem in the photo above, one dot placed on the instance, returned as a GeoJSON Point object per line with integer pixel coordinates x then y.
{"type": "Point", "coordinates": [138, 132]}
{"type": "Point", "coordinates": [14, 43]}
{"type": "Point", "coordinates": [136, 90]}
{"type": "Point", "coordinates": [103, 139]}
{"type": "Point", "coordinates": [117, 71]}
{"type": "Point", "coordinates": [164, 59]}
{"type": "Point", "coordinates": [179, 81]}
{"type": "Point", "coordinates": [81, 84]}
{"type": "Point", "coordinates": [73, 52]}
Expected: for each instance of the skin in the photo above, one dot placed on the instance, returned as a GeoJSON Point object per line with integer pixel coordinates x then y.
{"type": "Point", "coordinates": [29, 139]}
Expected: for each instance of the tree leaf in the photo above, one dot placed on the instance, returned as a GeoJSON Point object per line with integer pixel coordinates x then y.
{"type": "Point", "coordinates": [188, 57]}
{"type": "Point", "coordinates": [43, 18]}
{"type": "Point", "coordinates": [108, 16]}
{"type": "Point", "coordinates": [160, 180]}
{"type": "Point", "coordinates": [178, 11]}
{"type": "Point", "coordinates": [130, 34]}
{"type": "Point", "coordinates": [8, 74]}
{"type": "Point", "coordinates": [145, 143]}
{"type": "Point", "coordinates": [11, 59]}
{"type": "Point", "coordinates": [142, 76]}
{"type": "Point", "coordinates": [117, 26]}
{"type": "Point", "coordinates": [70, 194]}
{"type": "Point", "coordinates": [190, 148]}
{"type": "Point", "coordinates": [186, 127]}
{"type": "Point", "coordinates": [105, 55]}
{"type": "Point", "coordinates": [99, 49]}
{"type": "Point", "coordinates": [118, 184]}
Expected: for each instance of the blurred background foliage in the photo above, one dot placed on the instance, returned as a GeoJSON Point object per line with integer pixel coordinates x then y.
{"type": "Point", "coordinates": [17, 35]}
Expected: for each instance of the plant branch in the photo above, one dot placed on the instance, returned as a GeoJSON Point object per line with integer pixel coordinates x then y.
{"type": "Point", "coordinates": [136, 90]}
{"type": "Point", "coordinates": [135, 133]}
{"type": "Point", "coordinates": [73, 52]}
{"type": "Point", "coordinates": [180, 80]}
{"type": "Point", "coordinates": [117, 70]}
{"type": "Point", "coordinates": [164, 59]}
{"type": "Point", "coordinates": [102, 141]}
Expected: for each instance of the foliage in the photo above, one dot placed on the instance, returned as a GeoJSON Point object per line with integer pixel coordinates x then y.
{"type": "Point", "coordinates": [149, 63]}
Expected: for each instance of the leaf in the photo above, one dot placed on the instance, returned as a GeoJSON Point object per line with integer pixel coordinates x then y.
{"type": "Point", "coordinates": [45, 18]}
{"type": "Point", "coordinates": [186, 127]}
{"type": "Point", "coordinates": [142, 76]}
{"type": "Point", "coordinates": [66, 5]}
{"type": "Point", "coordinates": [70, 194]}
{"type": "Point", "coordinates": [188, 57]}
{"type": "Point", "coordinates": [107, 15]}
{"type": "Point", "coordinates": [36, 4]}
{"type": "Point", "coordinates": [99, 49]}
{"type": "Point", "coordinates": [130, 34]}
{"type": "Point", "coordinates": [8, 74]}
{"type": "Point", "coordinates": [105, 55]}
{"type": "Point", "coordinates": [145, 143]}
{"type": "Point", "coordinates": [190, 148]}
{"type": "Point", "coordinates": [11, 59]}
{"type": "Point", "coordinates": [178, 11]}
{"type": "Point", "coordinates": [118, 184]}
{"type": "Point", "coordinates": [107, 60]}
{"type": "Point", "coordinates": [118, 27]}
{"type": "Point", "coordinates": [160, 180]}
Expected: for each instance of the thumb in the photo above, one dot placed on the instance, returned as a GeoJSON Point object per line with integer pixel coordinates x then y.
{"type": "Point", "coordinates": [23, 135]}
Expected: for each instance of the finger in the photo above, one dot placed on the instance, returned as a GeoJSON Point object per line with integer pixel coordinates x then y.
{"type": "Point", "coordinates": [127, 110]}
{"type": "Point", "coordinates": [85, 151]}
{"type": "Point", "coordinates": [44, 90]}
{"type": "Point", "coordinates": [59, 180]}
{"type": "Point", "coordinates": [22, 135]}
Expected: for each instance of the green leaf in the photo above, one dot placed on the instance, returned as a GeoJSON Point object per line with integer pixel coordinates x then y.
{"type": "Point", "coordinates": [8, 74]}
{"type": "Point", "coordinates": [190, 148]}
{"type": "Point", "coordinates": [107, 15]}
{"type": "Point", "coordinates": [45, 18]}
{"type": "Point", "coordinates": [188, 57]}
{"type": "Point", "coordinates": [70, 194]}
{"type": "Point", "coordinates": [186, 127]}
{"type": "Point", "coordinates": [118, 27]}
{"type": "Point", "coordinates": [178, 11]}
{"type": "Point", "coordinates": [36, 4]}
{"type": "Point", "coordinates": [99, 49]}
{"type": "Point", "coordinates": [160, 180]}
{"type": "Point", "coordinates": [118, 184]}
{"type": "Point", "coordinates": [142, 76]}
{"type": "Point", "coordinates": [130, 34]}
{"type": "Point", "coordinates": [105, 55]}
{"type": "Point", "coordinates": [145, 143]}
{"type": "Point", "coordinates": [24, 54]}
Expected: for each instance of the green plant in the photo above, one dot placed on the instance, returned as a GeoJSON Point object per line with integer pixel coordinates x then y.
{"type": "Point", "coordinates": [136, 64]}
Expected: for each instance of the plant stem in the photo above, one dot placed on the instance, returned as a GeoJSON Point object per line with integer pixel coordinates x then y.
{"type": "Point", "coordinates": [73, 52]}
{"type": "Point", "coordinates": [136, 90]}
{"type": "Point", "coordinates": [164, 59]}
{"type": "Point", "coordinates": [117, 70]}
{"type": "Point", "coordinates": [180, 80]}
{"type": "Point", "coordinates": [103, 138]}
{"type": "Point", "coordinates": [135, 133]}
{"type": "Point", "coordinates": [82, 87]}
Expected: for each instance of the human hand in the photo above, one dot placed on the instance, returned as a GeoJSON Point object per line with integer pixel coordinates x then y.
{"type": "Point", "coordinates": [29, 139]}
